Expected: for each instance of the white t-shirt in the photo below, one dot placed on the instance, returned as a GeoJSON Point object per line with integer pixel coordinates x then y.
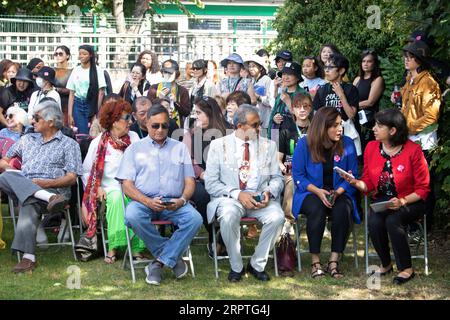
{"type": "Point", "coordinates": [113, 158]}
{"type": "Point", "coordinates": [37, 96]}
{"type": "Point", "coordinates": [79, 81]}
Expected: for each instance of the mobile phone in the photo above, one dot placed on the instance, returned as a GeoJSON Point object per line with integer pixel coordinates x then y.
{"type": "Point", "coordinates": [259, 197]}
{"type": "Point", "coordinates": [345, 173]}
{"type": "Point", "coordinates": [167, 201]}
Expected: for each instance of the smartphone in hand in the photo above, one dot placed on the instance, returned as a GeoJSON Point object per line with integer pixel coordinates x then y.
{"type": "Point", "coordinates": [343, 172]}
{"type": "Point", "coordinates": [167, 201]}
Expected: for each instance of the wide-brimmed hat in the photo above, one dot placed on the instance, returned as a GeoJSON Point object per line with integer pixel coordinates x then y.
{"type": "Point", "coordinates": [23, 74]}
{"type": "Point", "coordinates": [293, 68]}
{"type": "Point", "coordinates": [418, 48]}
{"type": "Point", "coordinates": [48, 74]}
{"type": "Point", "coordinates": [285, 55]}
{"type": "Point", "coordinates": [232, 57]}
{"type": "Point", "coordinates": [258, 60]}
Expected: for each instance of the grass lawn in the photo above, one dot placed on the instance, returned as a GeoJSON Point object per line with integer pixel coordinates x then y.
{"type": "Point", "coordinates": [102, 281]}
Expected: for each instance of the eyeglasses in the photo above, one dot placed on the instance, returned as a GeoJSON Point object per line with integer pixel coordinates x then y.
{"type": "Point", "coordinates": [126, 117]}
{"type": "Point", "coordinates": [58, 53]}
{"type": "Point", "coordinates": [256, 124]}
{"type": "Point", "coordinates": [329, 67]}
{"type": "Point", "coordinates": [36, 118]}
{"type": "Point", "coordinates": [156, 126]}
{"type": "Point", "coordinates": [10, 116]}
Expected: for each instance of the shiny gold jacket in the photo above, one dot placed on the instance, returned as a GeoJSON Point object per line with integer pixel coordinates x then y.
{"type": "Point", "coordinates": [421, 99]}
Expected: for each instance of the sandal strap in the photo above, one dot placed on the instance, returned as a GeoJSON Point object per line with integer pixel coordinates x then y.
{"type": "Point", "coordinates": [313, 264]}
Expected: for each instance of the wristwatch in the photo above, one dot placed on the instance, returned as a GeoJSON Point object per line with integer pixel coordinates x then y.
{"type": "Point", "coordinates": [184, 201]}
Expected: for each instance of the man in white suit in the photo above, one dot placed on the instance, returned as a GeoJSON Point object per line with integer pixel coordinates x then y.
{"type": "Point", "coordinates": [241, 167]}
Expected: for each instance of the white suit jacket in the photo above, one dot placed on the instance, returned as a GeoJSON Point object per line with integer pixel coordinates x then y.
{"type": "Point", "coordinates": [222, 171]}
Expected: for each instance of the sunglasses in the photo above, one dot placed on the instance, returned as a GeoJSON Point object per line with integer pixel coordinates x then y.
{"type": "Point", "coordinates": [58, 53]}
{"type": "Point", "coordinates": [156, 126]}
{"type": "Point", "coordinates": [10, 116]}
{"type": "Point", "coordinates": [36, 118]}
{"type": "Point", "coordinates": [126, 117]}
{"type": "Point", "coordinates": [368, 51]}
{"type": "Point", "coordinates": [329, 67]}
{"type": "Point", "coordinates": [195, 69]}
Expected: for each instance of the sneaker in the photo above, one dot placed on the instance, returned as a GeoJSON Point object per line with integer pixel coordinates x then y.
{"type": "Point", "coordinates": [180, 269]}
{"type": "Point", "coordinates": [153, 272]}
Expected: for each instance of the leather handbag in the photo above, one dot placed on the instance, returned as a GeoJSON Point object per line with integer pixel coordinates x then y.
{"type": "Point", "coordinates": [286, 254]}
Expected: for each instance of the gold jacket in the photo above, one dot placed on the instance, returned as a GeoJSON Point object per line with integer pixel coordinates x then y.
{"type": "Point", "coordinates": [421, 100]}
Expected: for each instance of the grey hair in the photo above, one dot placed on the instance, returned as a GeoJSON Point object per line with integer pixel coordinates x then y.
{"type": "Point", "coordinates": [240, 116]}
{"type": "Point", "coordinates": [49, 110]}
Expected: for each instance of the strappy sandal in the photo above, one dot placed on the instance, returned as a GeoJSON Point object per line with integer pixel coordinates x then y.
{"type": "Point", "coordinates": [110, 259]}
{"type": "Point", "coordinates": [334, 272]}
{"type": "Point", "coordinates": [318, 272]}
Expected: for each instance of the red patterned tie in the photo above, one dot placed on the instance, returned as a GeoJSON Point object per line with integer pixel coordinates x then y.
{"type": "Point", "coordinates": [244, 168]}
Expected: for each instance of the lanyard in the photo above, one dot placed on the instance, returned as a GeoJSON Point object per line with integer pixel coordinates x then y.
{"type": "Point", "coordinates": [235, 86]}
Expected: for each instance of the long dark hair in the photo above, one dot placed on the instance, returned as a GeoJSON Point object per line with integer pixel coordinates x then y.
{"type": "Point", "coordinates": [317, 135]}
{"type": "Point", "coordinates": [376, 72]}
{"type": "Point", "coordinates": [215, 116]}
{"type": "Point", "coordinates": [155, 64]}
{"type": "Point", "coordinates": [92, 94]}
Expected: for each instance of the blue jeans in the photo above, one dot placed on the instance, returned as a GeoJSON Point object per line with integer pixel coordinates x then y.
{"type": "Point", "coordinates": [166, 250]}
{"type": "Point", "coordinates": [80, 113]}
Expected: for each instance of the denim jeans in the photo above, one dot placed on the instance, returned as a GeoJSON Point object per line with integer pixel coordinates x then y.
{"type": "Point", "coordinates": [80, 113]}
{"type": "Point", "coordinates": [166, 250]}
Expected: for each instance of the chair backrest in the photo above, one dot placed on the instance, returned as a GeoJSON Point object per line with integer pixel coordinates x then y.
{"type": "Point", "coordinates": [5, 144]}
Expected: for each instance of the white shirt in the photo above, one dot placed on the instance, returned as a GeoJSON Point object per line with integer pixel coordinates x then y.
{"type": "Point", "coordinates": [37, 96]}
{"type": "Point", "coordinates": [253, 179]}
{"type": "Point", "coordinates": [113, 158]}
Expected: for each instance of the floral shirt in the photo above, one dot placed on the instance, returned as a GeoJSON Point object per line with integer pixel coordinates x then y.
{"type": "Point", "coordinates": [386, 184]}
{"type": "Point", "coordinates": [48, 160]}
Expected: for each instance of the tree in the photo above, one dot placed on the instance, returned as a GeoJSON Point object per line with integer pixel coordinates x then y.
{"type": "Point", "coordinates": [119, 8]}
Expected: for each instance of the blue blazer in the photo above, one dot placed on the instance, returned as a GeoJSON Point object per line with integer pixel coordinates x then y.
{"type": "Point", "coordinates": [305, 172]}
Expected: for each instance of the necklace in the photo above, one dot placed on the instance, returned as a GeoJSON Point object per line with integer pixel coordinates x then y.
{"type": "Point", "coordinates": [391, 151]}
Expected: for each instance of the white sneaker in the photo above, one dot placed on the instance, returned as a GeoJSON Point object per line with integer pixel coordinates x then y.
{"type": "Point", "coordinates": [288, 228]}
{"type": "Point", "coordinates": [61, 229]}
{"type": "Point", "coordinates": [41, 237]}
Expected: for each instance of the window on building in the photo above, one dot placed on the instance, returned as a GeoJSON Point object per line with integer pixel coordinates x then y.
{"type": "Point", "coordinates": [244, 24]}
{"type": "Point", "coordinates": [204, 24]}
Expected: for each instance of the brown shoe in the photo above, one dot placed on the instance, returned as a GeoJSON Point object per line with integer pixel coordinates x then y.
{"type": "Point", "coordinates": [24, 266]}
{"type": "Point", "coordinates": [252, 231]}
{"type": "Point", "coordinates": [56, 203]}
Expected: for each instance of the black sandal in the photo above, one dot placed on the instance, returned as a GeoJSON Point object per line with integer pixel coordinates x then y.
{"type": "Point", "coordinates": [334, 272]}
{"type": "Point", "coordinates": [318, 272]}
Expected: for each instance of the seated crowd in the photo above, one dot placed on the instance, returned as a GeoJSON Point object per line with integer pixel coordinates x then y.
{"type": "Point", "coordinates": [264, 144]}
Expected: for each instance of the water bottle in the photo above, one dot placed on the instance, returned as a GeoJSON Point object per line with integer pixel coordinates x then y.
{"type": "Point", "coordinates": [397, 97]}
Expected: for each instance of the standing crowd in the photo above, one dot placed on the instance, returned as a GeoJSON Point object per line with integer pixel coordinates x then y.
{"type": "Point", "coordinates": [207, 148]}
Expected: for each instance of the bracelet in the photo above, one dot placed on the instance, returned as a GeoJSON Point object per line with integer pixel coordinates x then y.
{"type": "Point", "coordinates": [184, 201]}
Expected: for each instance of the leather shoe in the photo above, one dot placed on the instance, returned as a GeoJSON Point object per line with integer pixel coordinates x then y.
{"type": "Point", "coordinates": [56, 203]}
{"type": "Point", "coordinates": [263, 276]}
{"type": "Point", "coordinates": [400, 280]}
{"type": "Point", "coordinates": [382, 274]}
{"type": "Point", "coordinates": [234, 276]}
{"type": "Point", "coordinates": [24, 265]}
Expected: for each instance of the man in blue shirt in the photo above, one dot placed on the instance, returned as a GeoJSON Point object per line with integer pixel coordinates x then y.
{"type": "Point", "coordinates": [158, 176]}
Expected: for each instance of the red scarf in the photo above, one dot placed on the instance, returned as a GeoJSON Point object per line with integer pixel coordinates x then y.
{"type": "Point", "coordinates": [95, 179]}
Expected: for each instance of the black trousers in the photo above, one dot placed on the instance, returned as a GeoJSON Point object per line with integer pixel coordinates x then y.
{"type": "Point", "coordinates": [201, 199]}
{"type": "Point", "coordinates": [391, 224]}
{"type": "Point", "coordinates": [316, 214]}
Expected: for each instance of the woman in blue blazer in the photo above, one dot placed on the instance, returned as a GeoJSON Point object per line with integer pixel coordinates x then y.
{"type": "Point", "coordinates": [320, 191]}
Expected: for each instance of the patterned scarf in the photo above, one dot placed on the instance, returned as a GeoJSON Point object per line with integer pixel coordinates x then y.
{"type": "Point", "coordinates": [96, 176]}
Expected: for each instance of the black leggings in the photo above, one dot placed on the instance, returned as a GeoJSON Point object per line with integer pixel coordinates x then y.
{"type": "Point", "coordinates": [391, 224]}
{"type": "Point", "coordinates": [316, 213]}
{"type": "Point", "coordinates": [201, 199]}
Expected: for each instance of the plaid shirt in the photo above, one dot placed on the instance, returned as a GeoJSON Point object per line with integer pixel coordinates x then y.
{"type": "Point", "coordinates": [48, 160]}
